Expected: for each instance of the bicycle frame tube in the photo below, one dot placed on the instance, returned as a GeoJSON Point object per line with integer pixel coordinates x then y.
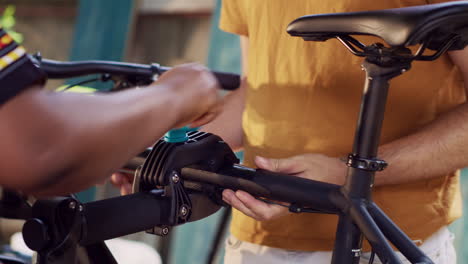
{"type": "Point", "coordinates": [396, 236]}
{"type": "Point", "coordinates": [359, 181]}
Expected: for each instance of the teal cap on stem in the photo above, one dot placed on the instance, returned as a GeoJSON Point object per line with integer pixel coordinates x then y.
{"type": "Point", "coordinates": [178, 135]}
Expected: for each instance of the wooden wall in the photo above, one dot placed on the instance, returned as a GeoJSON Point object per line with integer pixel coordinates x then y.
{"type": "Point", "coordinates": [163, 37]}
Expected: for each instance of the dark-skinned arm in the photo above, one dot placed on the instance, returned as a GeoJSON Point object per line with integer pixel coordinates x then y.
{"type": "Point", "coordinates": [57, 143]}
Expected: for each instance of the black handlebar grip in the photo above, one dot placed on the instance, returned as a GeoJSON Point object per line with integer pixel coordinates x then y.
{"type": "Point", "coordinates": [228, 81]}
{"type": "Point", "coordinates": [123, 215]}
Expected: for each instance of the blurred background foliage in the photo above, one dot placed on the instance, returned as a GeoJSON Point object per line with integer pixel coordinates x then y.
{"type": "Point", "coordinates": [7, 21]}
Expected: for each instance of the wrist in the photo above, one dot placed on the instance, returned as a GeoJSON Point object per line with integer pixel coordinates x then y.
{"type": "Point", "coordinates": [173, 105]}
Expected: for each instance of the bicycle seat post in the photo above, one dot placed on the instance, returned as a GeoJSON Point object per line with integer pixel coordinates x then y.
{"type": "Point", "coordinates": [380, 66]}
{"type": "Point", "coordinates": [363, 162]}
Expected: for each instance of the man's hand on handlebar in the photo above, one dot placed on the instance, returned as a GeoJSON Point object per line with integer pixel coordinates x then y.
{"type": "Point", "coordinates": [311, 166]}
{"type": "Point", "coordinates": [199, 103]}
{"type": "Point", "coordinates": [198, 91]}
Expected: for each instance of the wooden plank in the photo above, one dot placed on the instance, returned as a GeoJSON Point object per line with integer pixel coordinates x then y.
{"type": "Point", "coordinates": [176, 6]}
{"type": "Point", "coordinates": [43, 11]}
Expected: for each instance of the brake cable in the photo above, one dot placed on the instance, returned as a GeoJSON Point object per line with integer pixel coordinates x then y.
{"type": "Point", "coordinates": [103, 78]}
{"type": "Point", "coordinates": [293, 207]}
{"type": "Point", "coordinates": [371, 259]}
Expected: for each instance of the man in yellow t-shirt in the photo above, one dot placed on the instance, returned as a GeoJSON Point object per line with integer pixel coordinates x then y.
{"type": "Point", "coordinates": [298, 105]}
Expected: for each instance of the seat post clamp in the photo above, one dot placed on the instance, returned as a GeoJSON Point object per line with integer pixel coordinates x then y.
{"type": "Point", "coordinates": [366, 164]}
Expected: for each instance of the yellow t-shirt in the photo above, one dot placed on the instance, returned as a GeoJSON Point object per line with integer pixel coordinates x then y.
{"type": "Point", "coordinates": [304, 97]}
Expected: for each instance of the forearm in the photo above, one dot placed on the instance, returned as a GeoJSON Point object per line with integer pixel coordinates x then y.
{"type": "Point", "coordinates": [78, 139]}
{"type": "Point", "coordinates": [439, 148]}
{"type": "Point", "coordinates": [228, 125]}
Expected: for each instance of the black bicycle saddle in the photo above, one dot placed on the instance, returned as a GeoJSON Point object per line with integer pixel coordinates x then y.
{"type": "Point", "coordinates": [430, 24]}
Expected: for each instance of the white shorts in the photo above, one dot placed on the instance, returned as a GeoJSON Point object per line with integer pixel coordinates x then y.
{"type": "Point", "coordinates": [438, 247]}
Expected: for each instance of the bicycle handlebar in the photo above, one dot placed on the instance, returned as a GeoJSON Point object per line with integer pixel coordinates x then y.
{"type": "Point", "coordinates": [276, 186]}
{"type": "Point", "coordinates": [62, 70]}
{"type": "Point", "coordinates": [326, 198]}
{"type": "Point", "coordinates": [100, 216]}
{"type": "Point", "coordinates": [205, 158]}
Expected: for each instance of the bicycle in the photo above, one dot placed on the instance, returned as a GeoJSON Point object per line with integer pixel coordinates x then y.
{"type": "Point", "coordinates": [180, 179]}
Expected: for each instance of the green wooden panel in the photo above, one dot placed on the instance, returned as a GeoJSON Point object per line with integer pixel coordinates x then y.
{"type": "Point", "coordinates": [224, 54]}
{"type": "Point", "coordinates": [102, 29]}
{"type": "Point", "coordinates": [101, 32]}
{"type": "Point", "coordinates": [191, 243]}
{"type": "Point", "coordinates": [460, 227]}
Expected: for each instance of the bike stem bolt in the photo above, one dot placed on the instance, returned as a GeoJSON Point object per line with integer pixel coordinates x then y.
{"type": "Point", "coordinates": [165, 231]}
{"type": "Point", "coordinates": [175, 177]}
{"type": "Point", "coordinates": [183, 211]}
{"type": "Point", "coordinates": [72, 205]}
